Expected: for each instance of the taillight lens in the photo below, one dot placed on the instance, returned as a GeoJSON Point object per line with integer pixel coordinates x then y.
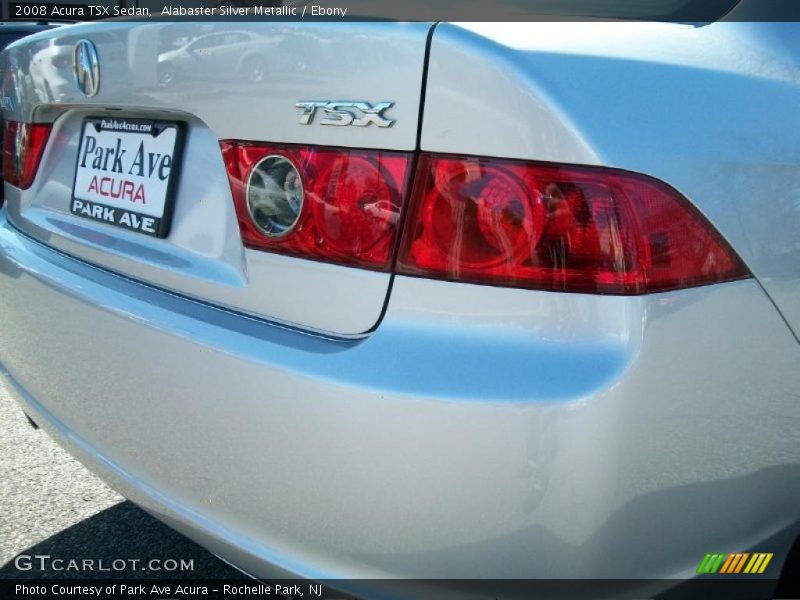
{"type": "Point", "coordinates": [23, 145]}
{"type": "Point", "coordinates": [349, 211]}
{"type": "Point", "coordinates": [577, 229]}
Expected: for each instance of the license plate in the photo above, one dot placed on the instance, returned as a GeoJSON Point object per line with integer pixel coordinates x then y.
{"type": "Point", "coordinates": [126, 173]}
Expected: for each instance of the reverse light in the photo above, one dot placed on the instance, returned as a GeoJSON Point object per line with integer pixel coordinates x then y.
{"type": "Point", "coordinates": [274, 196]}
{"type": "Point", "coordinates": [23, 145]}
{"type": "Point", "coordinates": [333, 205]}
{"type": "Point", "coordinates": [541, 226]}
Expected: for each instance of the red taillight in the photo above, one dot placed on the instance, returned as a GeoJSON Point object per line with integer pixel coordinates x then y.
{"type": "Point", "coordinates": [349, 207]}
{"type": "Point", "coordinates": [577, 229]}
{"type": "Point", "coordinates": [23, 144]}
{"type": "Point", "coordinates": [491, 221]}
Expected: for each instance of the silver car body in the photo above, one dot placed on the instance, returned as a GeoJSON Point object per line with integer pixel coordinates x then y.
{"type": "Point", "coordinates": [236, 54]}
{"type": "Point", "coordinates": [301, 418]}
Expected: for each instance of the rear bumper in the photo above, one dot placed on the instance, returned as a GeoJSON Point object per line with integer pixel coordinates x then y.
{"type": "Point", "coordinates": [476, 433]}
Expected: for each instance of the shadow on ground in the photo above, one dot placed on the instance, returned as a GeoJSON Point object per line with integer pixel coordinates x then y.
{"type": "Point", "coordinates": [123, 531]}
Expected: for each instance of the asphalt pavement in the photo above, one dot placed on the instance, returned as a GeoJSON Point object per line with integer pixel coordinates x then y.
{"type": "Point", "coordinates": [51, 505]}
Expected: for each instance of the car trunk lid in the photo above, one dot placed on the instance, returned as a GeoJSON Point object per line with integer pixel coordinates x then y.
{"type": "Point", "coordinates": [214, 82]}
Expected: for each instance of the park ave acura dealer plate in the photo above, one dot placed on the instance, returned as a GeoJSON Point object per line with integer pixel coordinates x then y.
{"type": "Point", "coordinates": [126, 171]}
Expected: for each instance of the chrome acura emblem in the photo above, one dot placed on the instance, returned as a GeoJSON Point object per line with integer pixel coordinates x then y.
{"type": "Point", "coordinates": [87, 68]}
{"type": "Point", "coordinates": [341, 112]}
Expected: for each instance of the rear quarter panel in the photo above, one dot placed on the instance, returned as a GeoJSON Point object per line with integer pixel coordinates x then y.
{"type": "Point", "coordinates": [712, 110]}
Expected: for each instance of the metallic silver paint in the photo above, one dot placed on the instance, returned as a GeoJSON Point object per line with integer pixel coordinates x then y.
{"type": "Point", "coordinates": [306, 60]}
{"type": "Point", "coordinates": [559, 463]}
{"type": "Point", "coordinates": [477, 431]}
{"type": "Point", "coordinates": [203, 257]}
{"type": "Point", "coordinates": [712, 110]}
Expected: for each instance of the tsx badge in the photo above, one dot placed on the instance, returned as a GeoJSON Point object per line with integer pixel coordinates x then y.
{"type": "Point", "coordinates": [345, 112]}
